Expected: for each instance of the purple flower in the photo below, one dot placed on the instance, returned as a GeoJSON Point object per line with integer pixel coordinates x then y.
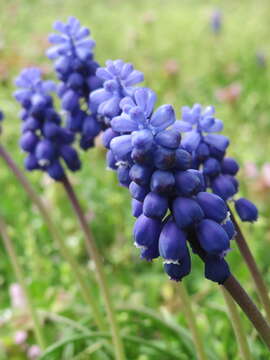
{"type": "Point", "coordinates": [43, 138]}
{"type": "Point", "coordinates": [72, 53]}
{"type": "Point", "coordinates": [246, 210]}
{"type": "Point", "coordinates": [119, 79]}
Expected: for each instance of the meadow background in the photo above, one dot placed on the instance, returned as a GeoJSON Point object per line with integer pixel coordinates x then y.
{"type": "Point", "coordinates": [184, 62]}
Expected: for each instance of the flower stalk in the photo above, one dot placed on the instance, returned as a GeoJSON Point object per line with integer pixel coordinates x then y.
{"type": "Point", "coordinates": [253, 268]}
{"type": "Point", "coordinates": [190, 318]}
{"type": "Point", "coordinates": [21, 279]}
{"type": "Point", "coordinates": [95, 256]}
{"type": "Point", "coordinates": [85, 291]}
{"type": "Point", "coordinates": [237, 326]}
{"type": "Point", "coordinates": [240, 296]}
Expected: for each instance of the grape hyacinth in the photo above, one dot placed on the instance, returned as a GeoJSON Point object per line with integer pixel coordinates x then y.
{"type": "Point", "coordinates": [74, 64]}
{"type": "Point", "coordinates": [43, 138]}
{"type": "Point", "coordinates": [169, 200]}
{"type": "Point", "coordinates": [1, 119]}
{"type": "Point", "coordinates": [119, 79]}
{"type": "Point", "coordinates": [208, 151]}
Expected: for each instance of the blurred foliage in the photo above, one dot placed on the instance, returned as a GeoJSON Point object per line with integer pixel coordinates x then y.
{"type": "Point", "coordinates": [172, 43]}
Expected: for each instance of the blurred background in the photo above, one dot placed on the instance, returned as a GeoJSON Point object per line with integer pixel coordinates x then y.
{"type": "Point", "coordinates": [191, 51]}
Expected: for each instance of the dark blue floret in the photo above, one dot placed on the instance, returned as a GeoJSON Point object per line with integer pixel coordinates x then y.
{"type": "Point", "coordinates": [213, 206]}
{"type": "Point", "coordinates": [212, 237]}
{"type": "Point", "coordinates": [246, 210]}
{"type": "Point", "coordinates": [146, 231]}
{"type": "Point", "coordinates": [172, 243]}
{"type": "Point", "coordinates": [72, 53]}
{"type": "Point", "coordinates": [186, 212]}
{"type": "Point", "coordinates": [155, 205]}
{"type": "Point", "coordinates": [137, 207]}
{"type": "Point", "coordinates": [176, 272]}
{"type": "Point", "coordinates": [43, 138]}
{"type": "Point", "coordinates": [216, 269]}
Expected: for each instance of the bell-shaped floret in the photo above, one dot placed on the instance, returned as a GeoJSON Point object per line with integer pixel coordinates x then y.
{"type": "Point", "coordinates": [138, 192]}
{"type": "Point", "coordinates": [213, 206]}
{"type": "Point", "coordinates": [71, 157]}
{"type": "Point", "coordinates": [146, 231]}
{"type": "Point", "coordinates": [137, 207]}
{"type": "Point", "coordinates": [211, 167]}
{"type": "Point", "coordinates": [172, 242]}
{"type": "Point", "coordinates": [176, 272]}
{"type": "Point", "coordinates": [246, 210]}
{"type": "Point", "coordinates": [187, 183]}
{"type": "Point", "coordinates": [186, 212]}
{"type": "Point", "coordinates": [141, 174]}
{"type": "Point", "coordinates": [155, 205]}
{"type": "Point", "coordinates": [162, 182]}
{"type": "Point", "coordinates": [183, 159]}
{"type": "Point", "coordinates": [216, 269]}
{"type": "Point", "coordinates": [168, 138]}
{"type": "Point", "coordinates": [212, 237]}
{"type": "Point", "coordinates": [224, 187]}
{"type": "Point", "coordinates": [229, 166]}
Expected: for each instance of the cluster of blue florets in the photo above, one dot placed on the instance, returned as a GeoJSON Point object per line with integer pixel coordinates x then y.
{"type": "Point", "coordinates": [74, 64]}
{"type": "Point", "coordinates": [208, 151]}
{"type": "Point", "coordinates": [169, 198]}
{"type": "Point", "coordinates": [43, 138]}
{"type": "Point", "coordinates": [1, 119]}
{"type": "Point", "coordinates": [168, 176]}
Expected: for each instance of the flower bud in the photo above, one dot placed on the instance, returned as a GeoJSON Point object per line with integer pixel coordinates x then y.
{"type": "Point", "coordinates": [162, 182]}
{"type": "Point", "coordinates": [137, 192]}
{"type": "Point", "coordinates": [211, 167]}
{"type": "Point", "coordinates": [168, 138]}
{"type": "Point", "coordinates": [172, 242]}
{"type": "Point", "coordinates": [176, 272]}
{"type": "Point", "coordinates": [213, 206]}
{"type": "Point", "coordinates": [186, 212]}
{"type": "Point", "coordinates": [29, 141]}
{"type": "Point", "coordinates": [186, 182]}
{"type": "Point", "coordinates": [246, 210]}
{"type": "Point", "coordinates": [183, 159]}
{"type": "Point", "coordinates": [141, 174]}
{"type": "Point", "coordinates": [137, 207]}
{"type": "Point", "coordinates": [155, 205]}
{"type": "Point", "coordinates": [216, 269]}
{"type": "Point", "coordinates": [223, 187]}
{"type": "Point", "coordinates": [146, 231]}
{"type": "Point", "coordinates": [212, 237]}
{"type": "Point", "coordinates": [229, 166]}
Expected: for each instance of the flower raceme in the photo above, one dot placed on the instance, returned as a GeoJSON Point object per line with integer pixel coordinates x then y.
{"type": "Point", "coordinates": [208, 151]}
{"type": "Point", "coordinates": [75, 67]}
{"type": "Point", "coordinates": [47, 143]}
{"type": "Point", "coordinates": [169, 198]}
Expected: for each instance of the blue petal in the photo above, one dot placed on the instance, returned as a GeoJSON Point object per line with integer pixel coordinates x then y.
{"type": "Point", "coordinates": [163, 117]}
{"type": "Point", "coordinates": [121, 146]}
{"type": "Point", "coordinates": [246, 210]}
{"type": "Point", "coordinates": [220, 142]}
{"type": "Point", "coordinates": [217, 126]}
{"type": "Point", "coordinates": [172, 242]}
{"type": "Point", "coordinates": [191, 141]}
{"type": "Point", "coordinates": [181, 126]}
{"type": "Point", "coordinates": [123, 123]}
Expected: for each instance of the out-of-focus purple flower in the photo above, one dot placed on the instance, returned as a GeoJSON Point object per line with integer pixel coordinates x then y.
{"type": "Point", "coordinates": [261, 59]}
{"type": "Point", "coordinates": [229, 94]}
{"type": "Point", "coordinates": [17, 297]}
{"type": "Point", "coordinates": [119, 80]}
{"type": "Point", "coordinates": [34, 352]}
{"type": "Point", "coordinates": [72, 53]}
{"type": "Point", "coordinates": [47, 143]}
{"type": "Point", "coordinates": [20, 337]}
{"type": "Point", "coordinates": [216, 20]}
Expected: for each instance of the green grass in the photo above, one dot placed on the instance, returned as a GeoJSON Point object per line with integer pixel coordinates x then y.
{"type": "Point", "coordinates": [179, 31]}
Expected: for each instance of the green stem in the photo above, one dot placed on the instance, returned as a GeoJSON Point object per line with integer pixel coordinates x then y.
{"type": "Point", "coordinates": [86, 293]}
{"type": "Point", "coordinates": [237, 326]}
{"type": "Point", "coordinates": [94, 254]}
{"type": "Point", "coordinates": [190, 318]}
{"type": "Point", "coordinates": [253, 268]}
{"type": "Point", "coordinates": [20, 277]}
{"type": "Point", "coordinates": [247, 305]}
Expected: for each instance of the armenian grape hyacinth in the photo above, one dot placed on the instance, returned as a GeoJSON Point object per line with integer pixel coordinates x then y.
{"type": "Point", "coordinates": [208, 151]}
{"type": "Point", "coordinates": [165, 179]}
{"type": "Point", "coordinates": [47, 143]}
{"type": "Point", "coordinates": [74, 64]}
